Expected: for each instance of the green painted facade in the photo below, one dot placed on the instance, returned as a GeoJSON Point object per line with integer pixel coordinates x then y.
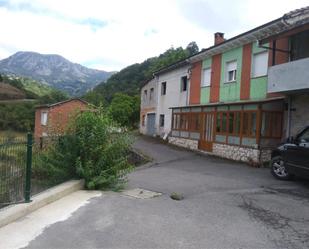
{"type": "Point", "coordinates": [205, 95]}
{"type": "Point", "coordinates": [258, 86]}
{"type": "Point", "coordinates": [230, 91]}
{"type": "Point", "coordinates": [205, 91]}
{"type": "Point", "coordinates": [256, 49]}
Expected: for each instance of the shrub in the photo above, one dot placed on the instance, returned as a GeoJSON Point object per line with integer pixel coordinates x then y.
{"type": "Point", "coordinates": [92, 149]}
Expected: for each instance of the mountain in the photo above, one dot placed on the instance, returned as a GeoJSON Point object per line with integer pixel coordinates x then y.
{"type": "Point", "coordinates": [54, 70]}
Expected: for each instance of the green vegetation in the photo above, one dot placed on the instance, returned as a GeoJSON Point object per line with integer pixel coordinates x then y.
{"type": "Point", "coordinates": [12, 166]}
{"type": "Point", "coordinates": [130, 79]}
{"type": "Point", "coordinates": [9, 134]}
{"type": "Point", "coordinates": [36, 87]}
{"type": "Point", "coordinates": [124, 109]}
{"type": "Point", "coordinates": [92, 149]}
{"type": "Point", "coordinates": [18, 115]}
{"type": "Point", "coordinates": [128, 82]}
{"type": "Point", "coordinates": [31, 88]}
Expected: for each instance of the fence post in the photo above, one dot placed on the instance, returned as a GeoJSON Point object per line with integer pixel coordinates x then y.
{"type": "Point", "coordinates": [28, 168]}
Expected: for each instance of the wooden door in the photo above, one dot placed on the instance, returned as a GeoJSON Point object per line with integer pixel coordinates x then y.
{"type": "Point", "coordinates": [207, 131]}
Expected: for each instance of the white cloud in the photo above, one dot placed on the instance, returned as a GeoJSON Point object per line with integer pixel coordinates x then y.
{"type": "Point", "coordinates": [113, 34]}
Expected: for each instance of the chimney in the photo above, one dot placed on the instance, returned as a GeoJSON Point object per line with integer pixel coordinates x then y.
{"type": "Point", "coordinates": [219, 38]}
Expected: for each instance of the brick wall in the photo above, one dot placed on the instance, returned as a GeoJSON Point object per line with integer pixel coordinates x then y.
{"type": "Point", "coordinates": [58, 117]}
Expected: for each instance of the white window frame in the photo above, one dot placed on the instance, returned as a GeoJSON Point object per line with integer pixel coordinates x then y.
{"type": "Point", "coordinates": [233, 69]}
{"type": "Point", "coordinates": [206, 81]}
{"type": "Point", "coordinates": [44, 117]}
{"type": "Point", "coordinates": [260, 72]}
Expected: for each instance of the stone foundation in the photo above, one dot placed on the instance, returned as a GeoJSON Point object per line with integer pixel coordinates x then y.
{"type": "Point", "coordinates": [237, 153]}
{"type": "Point", "coordinates": [183, 142]}
{"type": "Point", "coordinates": [233, 152]}
{"type": "Point", "coordinates": [265, 155]}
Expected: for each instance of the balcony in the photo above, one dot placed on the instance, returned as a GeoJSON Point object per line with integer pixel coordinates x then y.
{"type": "Point", "coordinates": [289, 77]}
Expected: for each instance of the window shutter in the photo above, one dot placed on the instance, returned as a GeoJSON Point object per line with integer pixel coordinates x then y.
{"type": "Point", "coordinates": [206, 77]}
{"type": "Point", "coordinates": [260, 64]}
{"type": "Point", "coordinates": [231, 66]}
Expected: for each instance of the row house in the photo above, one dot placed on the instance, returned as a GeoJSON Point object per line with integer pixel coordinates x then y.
{"type": "Point", "coordinates": [168, 87]}
{"type": "Point", "coordinates": [246, 94]}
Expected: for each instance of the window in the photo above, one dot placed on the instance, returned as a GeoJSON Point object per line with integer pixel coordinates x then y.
{"type": "Point", "coordinates": [44, 118]}
{"type": "Point", "coordinates": [163, 88]}
{"type": "Point", "coordinates": [221, 122]}
{"type": "Point", "coordinates": [249, 124]}
{"type": "Point", "coordinates": [143, 120]}
{"type": "Point", "coordinates": [300, 46]}
{"type": "Point", "coordinates": [176, 122]}
{"type": "Point", "coordinates": [260, 64]}
{"type": "Point", "coordinates": [195, 122]}
{"type": "Point", "coordinates": [206, 77]}
{"type": "Point", "coordinates": [271, 124]}
{"type": "Point", "coordinates": [231, 69]}
{"type": "Point", "coordinates": [184, 83]}
{"type": "Point", "coordinates": [151, 94]}
{"type": "Point", "coordinates": [145, 96]}
{"type": "Point", "coordinates": [184, 122]}
{"type": "Point", "coordinates": [161, 120]}
{"type": "Point", "coordinates": [234, 123]}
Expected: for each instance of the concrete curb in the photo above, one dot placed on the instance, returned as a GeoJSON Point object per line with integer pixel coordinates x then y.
{"type": "Point", "coordinates": [12, 213]}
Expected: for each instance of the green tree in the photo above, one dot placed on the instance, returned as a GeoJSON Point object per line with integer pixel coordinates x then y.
{"type": "Point", "coordinates": [95, 98]}
{"type": "Point", "coordinates": [53, 97]}
{"type": "Point", "coordinates": [192, 48]}
{"type": "Point", "coordinates": [130, 79]}
{"type": "Point", "coordinates": [121, 109]}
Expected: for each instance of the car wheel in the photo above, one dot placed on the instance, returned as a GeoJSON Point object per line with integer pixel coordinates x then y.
{"type": "Point", "coordinates": [278, 168]}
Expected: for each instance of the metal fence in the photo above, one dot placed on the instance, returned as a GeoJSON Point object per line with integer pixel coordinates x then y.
{"type": "Point", "coordinates": [15, 170]}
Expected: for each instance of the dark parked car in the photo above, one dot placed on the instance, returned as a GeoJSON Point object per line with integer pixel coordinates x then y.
{"type": "Point", "coordinates": [292, 157]}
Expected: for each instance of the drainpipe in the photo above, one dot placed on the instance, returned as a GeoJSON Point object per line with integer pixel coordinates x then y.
{"type": "Point", "coordinates": [189, 72]}
{"type": "Point", "coordinates": [288, 126]}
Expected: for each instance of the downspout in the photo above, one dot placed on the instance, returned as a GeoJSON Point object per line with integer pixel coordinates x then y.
{"type": "Point", "coordinates": [189, 72]}
{"type": "Point", "coordinates": [288, 125]}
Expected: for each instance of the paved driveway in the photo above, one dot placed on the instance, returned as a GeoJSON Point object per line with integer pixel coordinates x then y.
{"type": "Point", "coordinates": [225, 205]}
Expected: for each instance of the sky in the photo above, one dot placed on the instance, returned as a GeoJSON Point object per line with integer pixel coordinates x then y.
{"type": "Point", "coordinates": [112, 34]}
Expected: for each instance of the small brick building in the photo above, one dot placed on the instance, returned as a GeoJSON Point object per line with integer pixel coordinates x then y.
{"type": "Point", "coordinates": [54, 118]}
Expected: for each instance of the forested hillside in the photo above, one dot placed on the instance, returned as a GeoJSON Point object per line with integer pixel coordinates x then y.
{"type": "Point", "coordinates": [18, 98]}
{"type": "Point", "coordinates": [129, 79]}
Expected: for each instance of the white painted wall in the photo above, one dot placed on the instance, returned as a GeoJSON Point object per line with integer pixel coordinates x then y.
{"type": "Point", "coordinates": [174, 96]}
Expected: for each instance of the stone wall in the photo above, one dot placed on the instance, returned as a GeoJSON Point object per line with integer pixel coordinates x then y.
{"type": "Point", "coordinates": [265, 155]}
{"type": "Point", "coordinates": [237, 153]}
{"type": "Point", "coordinates": [299, 114]}
{"type": "Point", "coordinates": [183, 142]}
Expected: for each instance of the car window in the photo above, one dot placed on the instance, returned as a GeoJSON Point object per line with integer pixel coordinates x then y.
{"type": "Point", "coordinates": [304, 138]}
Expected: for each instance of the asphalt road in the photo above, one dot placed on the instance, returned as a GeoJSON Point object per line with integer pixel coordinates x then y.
{"type": "Point", "coordinates": [225, 205]}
